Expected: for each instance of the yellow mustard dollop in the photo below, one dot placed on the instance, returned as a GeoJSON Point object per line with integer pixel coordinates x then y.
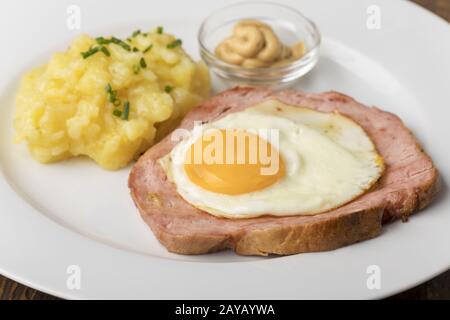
{"type": "Point", "coordinates": [254, 44]}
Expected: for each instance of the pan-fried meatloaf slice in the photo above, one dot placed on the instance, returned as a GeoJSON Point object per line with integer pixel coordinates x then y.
{"type": "Point", "coordinates": [408, 184]}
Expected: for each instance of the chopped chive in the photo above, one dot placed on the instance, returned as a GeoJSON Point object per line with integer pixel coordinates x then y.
{"type": "Point", "coordinates": [105, 51]}
{"type": "Point", "coordinates": [112, 96]}
{"type": "Point", "coordinates": [94, 50]}
{"type": "Point", "coordinates": [160, 30]}
{"type": "Point", "coordinates": [136, 69]}
{"type": "Point", "coordinates": [102, 41]}
{"type": "Point", "coordinates": [117, 113]}
{"type": "Point", "coordinates": [145, 34]}
{"type": "Point", "coordinates": [135, 49]}
{"type": "Point", "coordinates": [129, 39]}
{"type": "Point", "coordinates": [121, 43]}
{"type": "Point", "coordinates": [126, 110]}
{"type": "Point", "coordinates": [90, 52]}
{"type": "Point", "coordinates": [148, 48]}
{"type": "Point", "coordinates": [168, 89]}
{"type": "Point", "coordinates": [143, 63]}
{"type": "Point", "coordinates": [174, 44]}
{"type": "Point", "coordinates": [136, 33]}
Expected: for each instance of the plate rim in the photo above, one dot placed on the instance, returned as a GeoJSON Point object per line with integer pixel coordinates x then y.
{"type": "Point", "coordinates": [75, 237]}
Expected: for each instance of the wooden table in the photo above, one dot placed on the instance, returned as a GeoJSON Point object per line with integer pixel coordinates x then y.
{"type": "Point", "coordinates": [437, 288]}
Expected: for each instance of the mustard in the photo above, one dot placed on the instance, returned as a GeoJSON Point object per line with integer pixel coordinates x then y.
{"type": "Point", "coordinates": [254, 44]}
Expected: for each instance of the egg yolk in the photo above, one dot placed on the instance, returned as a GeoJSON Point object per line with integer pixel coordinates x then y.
{"type": "Point", "coordinates": [233, 162]}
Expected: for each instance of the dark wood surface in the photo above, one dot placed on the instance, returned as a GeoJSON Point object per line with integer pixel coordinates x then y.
{"type": "Point", "coordinates": [437, 288]}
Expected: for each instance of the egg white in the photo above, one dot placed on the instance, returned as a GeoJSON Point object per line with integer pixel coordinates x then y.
{"type": "Point", "coordinates": [329, 161]}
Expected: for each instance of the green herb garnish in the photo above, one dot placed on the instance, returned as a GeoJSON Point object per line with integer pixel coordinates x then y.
{"type": "Point", "coordinates": [105, 51]}
{"type": "Point", "coordinates": [143, 63]}
{"type": "Point", "coordinates": [94, 50]}
{"type": "Point", "coordinates": [174, 44]}
{"type": "Point", "coordinates": [116, 102]}
{"type": "Point", "coordinates": [136, 33]}
{"type": "Point", "coordinates": [121, 43]}
{"type": "Point", "coordinates": [112, 95]}
{"type": "Point", "coordinates": [90, 52]}
{"type": "Point", "coordinates": [160, 30]}
{"type": "Point", "coordinates": [126, 110]}
{"type": "Point", "coordinates": [117, 113]}
{"type": "Point", "coordinates": [168, 89]}
{"type": "Point", "coordinates": [148, 48]}
{"type": "Point", "coordinates": [135, 49]}
{"type": "Point", "coordinates": [102, 41]}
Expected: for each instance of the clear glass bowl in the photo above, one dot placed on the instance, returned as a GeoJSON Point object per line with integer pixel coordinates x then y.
{"type": "Point", "coordinates": [290, 26]}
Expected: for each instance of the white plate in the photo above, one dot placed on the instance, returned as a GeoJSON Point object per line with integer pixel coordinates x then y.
{"type": "Point", "coordinates": [74, 213]}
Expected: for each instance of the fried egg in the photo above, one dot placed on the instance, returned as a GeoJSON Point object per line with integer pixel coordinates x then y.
{"type": "Point", "coordinates": [273, 159]}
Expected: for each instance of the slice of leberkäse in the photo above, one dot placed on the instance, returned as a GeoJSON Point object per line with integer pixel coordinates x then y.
{"type": "Point", "coordinates": [409, 183]}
